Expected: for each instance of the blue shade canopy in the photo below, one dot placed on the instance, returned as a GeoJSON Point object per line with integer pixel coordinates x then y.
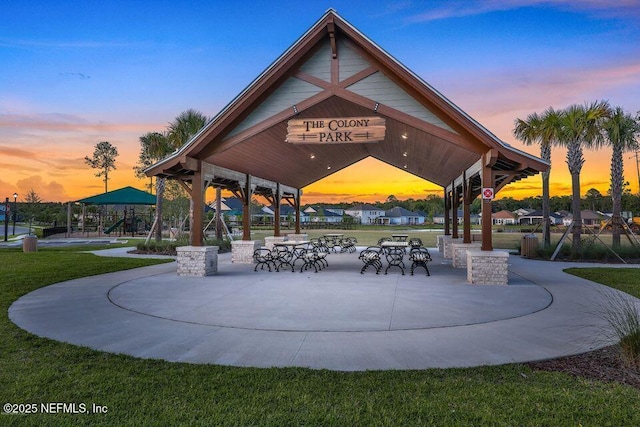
{"type": "Point", "coordinates": [122, 196]}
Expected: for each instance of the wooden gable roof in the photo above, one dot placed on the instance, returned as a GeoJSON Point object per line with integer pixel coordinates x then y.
{"type": "Point", "coordinates": [333, 70]}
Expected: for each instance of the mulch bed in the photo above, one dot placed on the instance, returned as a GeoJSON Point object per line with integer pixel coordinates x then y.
{"type": "Point", "coordinates": [605, 364]}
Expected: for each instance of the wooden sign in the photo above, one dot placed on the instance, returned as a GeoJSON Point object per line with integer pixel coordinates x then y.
{"type": "Point", "coordinates": [336, 130]}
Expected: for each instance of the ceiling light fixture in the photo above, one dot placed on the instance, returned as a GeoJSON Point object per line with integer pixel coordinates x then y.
{"type": "Point", "coordinates": [405, 166]}
{"type": "Point", "coordinates": [404, 154]}
{"type": "Point", "coordinates": [328, 167]}
{"type": "Point", "coordinates": [313, 156]}
{"type": "Point", "coordinates": [404, 136]}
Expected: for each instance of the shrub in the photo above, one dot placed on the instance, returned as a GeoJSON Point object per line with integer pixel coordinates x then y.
{"type": "Point", "coordinates": [166, 247]}
{"type": "Point", "coordinates": [623, 317]}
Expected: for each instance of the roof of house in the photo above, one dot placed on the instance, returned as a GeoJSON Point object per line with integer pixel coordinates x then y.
{"type": "Point", "coordinates": [364, 207]}
{"type": "Point", "coordinates": [504, 214]}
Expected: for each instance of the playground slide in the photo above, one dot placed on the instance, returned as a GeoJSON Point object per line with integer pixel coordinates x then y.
{"type": "Point", "coordinates": [114, 226]}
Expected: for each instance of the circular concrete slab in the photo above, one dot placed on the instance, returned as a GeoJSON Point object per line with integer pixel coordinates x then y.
{"type": "Point", "coordinates": [325, 302]}
{"type": "Point", "coordinates": [334, 319]}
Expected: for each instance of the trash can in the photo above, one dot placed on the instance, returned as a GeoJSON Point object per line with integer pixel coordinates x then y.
{"type": "Point", "coordinates": [529, 246]}
{"type": "Point", "coordinates": [30, 244]}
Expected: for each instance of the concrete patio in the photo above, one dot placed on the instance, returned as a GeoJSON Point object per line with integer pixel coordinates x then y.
{"type": "Point", "coordinates": [335, 319]}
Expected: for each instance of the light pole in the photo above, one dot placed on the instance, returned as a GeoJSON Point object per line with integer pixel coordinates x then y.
{"type": "Point", "coordinates": [15, 211]}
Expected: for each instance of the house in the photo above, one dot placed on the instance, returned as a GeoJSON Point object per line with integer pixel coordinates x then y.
{"type": "Point", "coordinates": [589, 218]}
{"type": "Point", "coordinates": [365, 214]}
{"type": "Point", "coordinates": [400, 216]}
{"type": "Point", "coordinates": [260, 214]}
{"type": "Point", "coordinates": [503, 217]}
{"type": "Point", "coordinates": [474, 219]}
{"type": "Point", "coordinates": [287, 213]}
{"type": "Point", "coordinates": [522, 212]}
{"type": "Point", "coordinates": [321, 214]}
{"type": "Point", "coordinates": [536, 217]}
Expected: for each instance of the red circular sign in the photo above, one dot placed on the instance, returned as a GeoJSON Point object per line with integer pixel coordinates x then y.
{"type": "Point", "coordinates": [487, 193]}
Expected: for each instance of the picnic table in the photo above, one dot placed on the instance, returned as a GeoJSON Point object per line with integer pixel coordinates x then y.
{"type": "Point", "coordinates": [394, 252]}
{"type": "Point", "coordinates": [400, 237]}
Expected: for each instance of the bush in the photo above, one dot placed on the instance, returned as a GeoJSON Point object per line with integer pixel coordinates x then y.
{"type": "Point", "coordinates": [166, 247]}
{"type": "Point", "coordinates": [594, 252]}
{"type": "Point", "coordinates": [622, 315]}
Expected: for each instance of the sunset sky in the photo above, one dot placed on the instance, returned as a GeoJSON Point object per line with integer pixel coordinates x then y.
{"type": "Point", "coordinates": [75, 73]}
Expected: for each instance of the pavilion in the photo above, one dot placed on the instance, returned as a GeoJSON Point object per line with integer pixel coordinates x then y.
{"type": "Point", "coordinates": [330, 100]}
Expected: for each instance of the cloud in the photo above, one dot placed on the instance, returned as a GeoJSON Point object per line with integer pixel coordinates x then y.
{"type": "Point", "coordinates": [58, 122]}
{"type": "Point", "coordinates": [460, 8]}
{"type": "Point", "coordinates": [75, 44]}
{"type": "Point", "coordinates": [80, 76]}
{"type": "Point", "coordinates": [47, 191]}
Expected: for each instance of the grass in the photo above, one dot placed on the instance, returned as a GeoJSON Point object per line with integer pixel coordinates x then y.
{"type": "Point", "coordinates": [624, 279]}
{"type": "Point", "coordinates": [150, 392]}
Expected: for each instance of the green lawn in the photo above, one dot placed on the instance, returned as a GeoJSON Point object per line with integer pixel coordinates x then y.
{"type": "Point", "coordinates": [148, 392]}
{"type": "Point", "coordinates": [624, 279]}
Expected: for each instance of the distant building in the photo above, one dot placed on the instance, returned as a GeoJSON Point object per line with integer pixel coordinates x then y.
{"type": "Point", "coordinates": [321, 214]}
{"type": "Point", "coordinates": [589, 218]}
{"type": "Point", "coordinates": [400, 216]}
{"type": "Point", "coordinates": [503, 218]}
{"type": "Point", "coordinates": [365, 214]}
{"type": "Point", "coordinates": [536, 217]}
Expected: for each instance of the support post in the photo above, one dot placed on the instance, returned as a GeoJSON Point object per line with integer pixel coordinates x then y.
{"type": "Point", "coordinates": [447, 212]}
{"type": "Point", "coordinates": [487, 182]}
{"type": "Point", "coordinates": [218, 213]}
{"type": "Point", "coordinates": [160, 183]}
{"type": "Point", "coordinates": [466, 210]}
{"type": "Point", "coordinates": [69, 219]}
{"type": "Point", "coordinates": [197, 189]}
{"type": "Point", "coordinates": [454, 210]}
{"type": "Point", "coordinates": [6, 219]}
{"type": "Point", "coordinates": [276, 213]}
{"type": "Point", "coordinates": [297, 208]}
{"type": "Point", "coordinates": [246, 210]}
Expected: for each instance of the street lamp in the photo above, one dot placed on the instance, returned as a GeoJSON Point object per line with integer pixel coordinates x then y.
{"type": "Point", "coordinates": [15, 211]}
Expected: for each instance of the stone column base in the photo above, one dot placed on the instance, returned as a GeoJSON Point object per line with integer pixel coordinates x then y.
{"type": "Point", "coordinates": [446, 243]}
{"type": "Point", "coordinates": [440, 242]}
{"type": "Point", "coordinates": [197, 260]}
{"type": "Point", "coordinates": [459, 253]}
{"type": "Point", "coordinates": [298, 237]}
{"type": "Point", "coordinates": [242, 251]}
{"type": "Point", "coordinates": [270, 240]}
{"type": "Point", "coordinates": [487, 267]}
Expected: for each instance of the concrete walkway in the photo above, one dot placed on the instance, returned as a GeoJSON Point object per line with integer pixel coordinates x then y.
{"type": "Point", "coordinates": [335, 319]}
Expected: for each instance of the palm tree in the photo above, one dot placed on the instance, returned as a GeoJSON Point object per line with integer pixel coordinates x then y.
{"type": "Point", "coordinates": [620, 131]}
{"type": "Point", "coordinates": [543, 130]}
{"type": "Point", "coordinates": [181, 130]}
{"type": "Point", "coordinates": [157, 146]}
{"type": "Point", "coordinates": [580, 128]}
{"type": "Point", "coordinates": [185, 126]}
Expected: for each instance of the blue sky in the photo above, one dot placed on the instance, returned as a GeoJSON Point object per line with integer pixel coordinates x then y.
{"type": "Point", "coordinates": [76, 73]}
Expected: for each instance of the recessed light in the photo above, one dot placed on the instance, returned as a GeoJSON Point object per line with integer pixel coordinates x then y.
{"type": "Point", "coordinates": [405, 166]}
{"type": "Point", "coordinates": [404, 154]}
{"type": "Point", "coordinates": [313, 156]}
{"type": "Point", "coordinates": [404, 136]}
{"type": "Point", "coordinates": [328, 167]}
